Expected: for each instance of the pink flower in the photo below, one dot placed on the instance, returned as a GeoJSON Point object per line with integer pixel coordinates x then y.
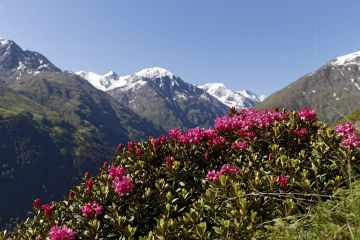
{"type": "Point", "coordinates": [228, 168]}
{"type": "Point", "coordinates": [213, 176]}
{"type": "Point", "coordinates": [307, 114]}
{"type": "Point", "coordinates": [117, 171]}
{"type": "Point", "coordinates": [350, 138]}
{"type": "Point", "coordinates": [61, 233]}
{"type": "Point", "coordinates": [301, 132]}
{"type": "Point", "coordinates": [48, 209]}
{"type": "Point", "coordinates": [175, 133]}
{"type": "Point", "coordinates": [169, 161]}
{"type": "Point", "coordinates": [282, 180]}
{"type": "Point", "coordinates": [123, 186]}
{"type": "Point", "coordinates": [91, 209]}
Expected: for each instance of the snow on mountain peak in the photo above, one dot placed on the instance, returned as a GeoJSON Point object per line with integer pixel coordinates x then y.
{"type": "Point", "coordinates": [239, 99]}
{"type": "Point", "coordinates": [154, 72]}
{"type": "Point", "coordinates": [348, 59]}
{"type": "Point", "coordinates": [4, 41]}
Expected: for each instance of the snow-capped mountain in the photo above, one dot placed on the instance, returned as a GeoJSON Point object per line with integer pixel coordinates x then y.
{"type": "Point", "coordinates": [348, 59]}
{"type": "Point", "coordinates": [15, 61]}
{"type": "Point", "coordinates": [239, 99]}
{"type": "Point", "coordinates": [333, 90]}
{"type": "Point", "coordinates": [111, 80]}
{"type": "Point", "coordinates": [161, 96]}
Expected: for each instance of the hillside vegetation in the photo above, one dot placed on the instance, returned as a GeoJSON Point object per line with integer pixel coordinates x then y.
{"type": "Point", "coordinates": [231, 181]}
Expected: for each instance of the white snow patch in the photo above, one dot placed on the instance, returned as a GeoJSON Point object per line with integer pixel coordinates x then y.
{"type": "Point", "coordinates": [349, 59]}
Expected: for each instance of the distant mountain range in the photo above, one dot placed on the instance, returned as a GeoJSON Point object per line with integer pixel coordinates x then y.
{"type": "Point", "coordinates": [164, 98]}
{"type": "Point", "coordinates": [333, 90]}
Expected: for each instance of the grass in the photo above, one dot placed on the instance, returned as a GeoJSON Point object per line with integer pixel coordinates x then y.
{"type": "Point", "coordinates": [338, 218]}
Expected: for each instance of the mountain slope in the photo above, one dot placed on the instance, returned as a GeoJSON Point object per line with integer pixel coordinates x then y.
{"type": "Point", "coordinates": [333, 90]}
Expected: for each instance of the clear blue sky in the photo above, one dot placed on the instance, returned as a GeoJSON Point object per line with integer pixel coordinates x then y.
{"type": "Point", "coordinates": [257, 45]}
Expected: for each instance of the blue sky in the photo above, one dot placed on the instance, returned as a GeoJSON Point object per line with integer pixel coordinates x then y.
{"type": "Point", "coordinates": [257, 45]}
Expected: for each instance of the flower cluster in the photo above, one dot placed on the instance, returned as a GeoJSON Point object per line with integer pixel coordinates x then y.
{"type": "Point", "coordinates": [196, 135]}
{"type": "Point", "coordinates": [249, 118]}
{"type": "Point", "coordinates": [61, 233]}
{"type": "Point", "coordinates": [228, 168]}
{"type": "Point", "coordinates": [117, 171]}
{"type": "Point", "coordinates": [91, 209]}
{"type": "Point", "coordinates": [307, 114]}
{"type": "Point", "coordinates": [123, 185]}
{"type": "Point", "coordinates": [213, 176]}
{"type": "Point", "coordinates": [350, 138]}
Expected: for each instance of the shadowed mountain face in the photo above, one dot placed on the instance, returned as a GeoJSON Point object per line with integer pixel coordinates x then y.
{"type": "Point", "coordinates": [333, 90]}
{"type": "Point", "coordinates": [54, 126]}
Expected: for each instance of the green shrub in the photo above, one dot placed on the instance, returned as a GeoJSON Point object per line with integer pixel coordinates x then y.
{"type": "Point", "coordinates": [226, 182]}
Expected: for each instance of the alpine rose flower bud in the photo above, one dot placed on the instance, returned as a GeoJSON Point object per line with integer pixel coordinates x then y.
{"type": "Point", "coordinates": [48, 209]}
{"type": "Point", "coordinates": [169, 161]}
{"type": "Point", "coordinates": [123, 186]}
{"type": "Point", "coordinates": [89, 184]}
{"type": "Point", "coordinates": [61, 233]}
{"type": "Point", "coordinates": [213, 176]}
{"type": "Point", "coordinates": [120, 147]}
{"type": "Point", "coordinates": [36, 203]}
{"type": "Point", "coordinates": [282, 180]}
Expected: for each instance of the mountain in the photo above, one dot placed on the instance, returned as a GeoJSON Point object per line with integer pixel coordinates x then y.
{"type": "Point", "coordinates": [162, 97]}
{"type": "Point", "coordinates": [54, 126]}
{"type": "Point", "coordinates": [15, 61]}
{"type": "Point", "coordinates": [333, 90]}
{"type": "Point", "coordinates": [239, 99]}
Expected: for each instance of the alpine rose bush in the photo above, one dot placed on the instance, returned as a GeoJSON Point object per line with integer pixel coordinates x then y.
{"type": "Point", "coordinates": [229, 181]}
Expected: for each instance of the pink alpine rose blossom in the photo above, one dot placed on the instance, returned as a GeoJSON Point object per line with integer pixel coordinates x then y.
{"type": "Point", "coordinates": [307, 114]}
{"type": "Point", "coordinates": [61, 233]}
{"type": "Point", "coordinates": [91, 209]}
{"type": "Point", "coordinates": [123, 186]}
{"type": "Point", "coordinates": [228, 168]}
{"type": "Point", "coordinates": [213, 176]}
{"type": "Point", "coordinates": [117, 171]}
